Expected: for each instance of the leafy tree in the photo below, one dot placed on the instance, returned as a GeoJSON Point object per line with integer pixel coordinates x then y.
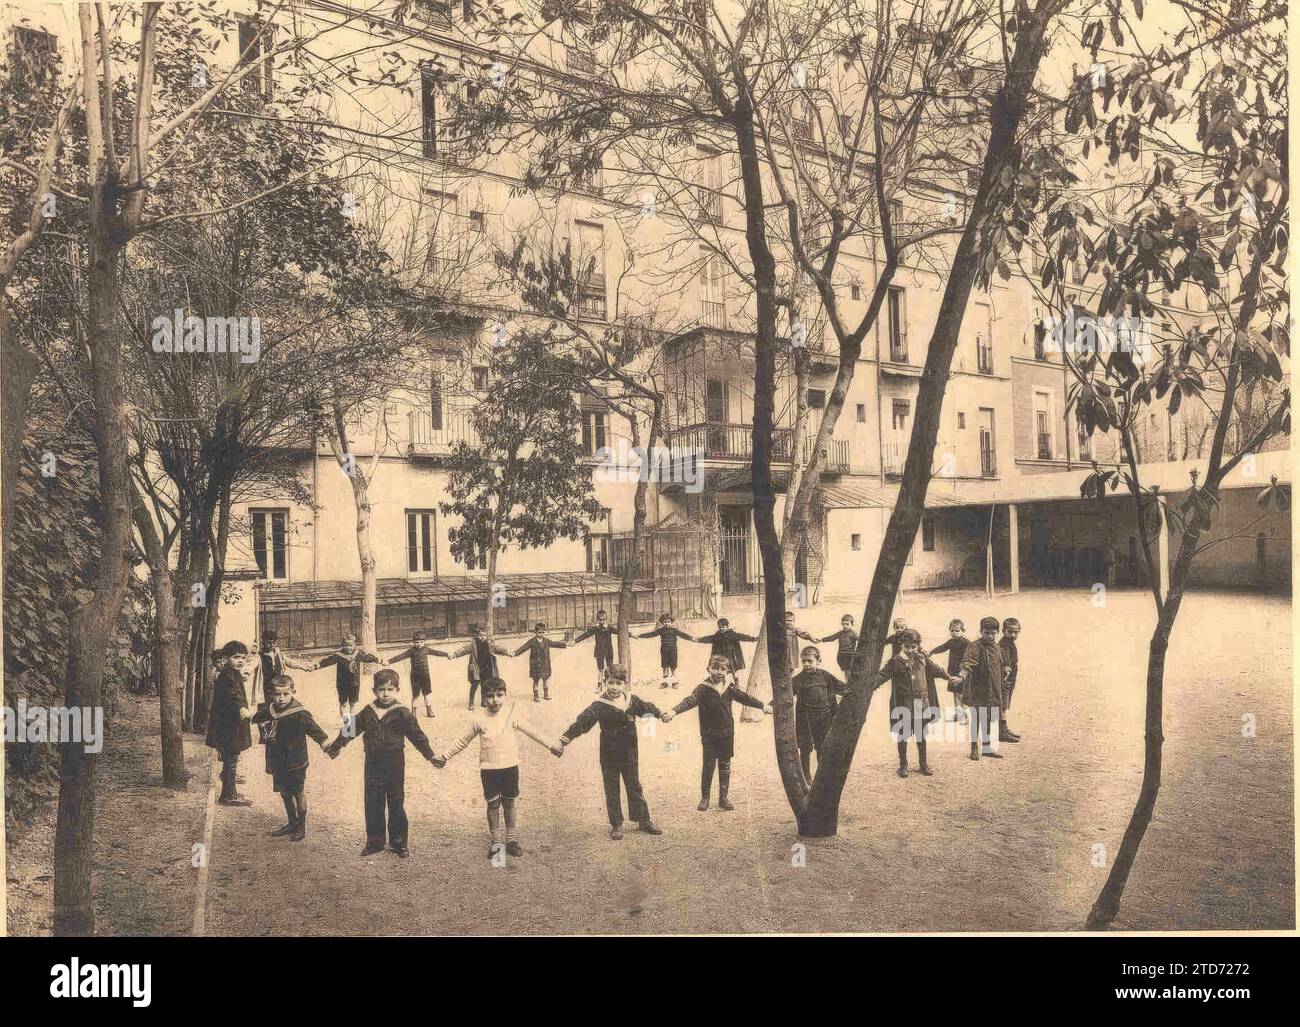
{"type": "Point", "coordinates": [522, 482]}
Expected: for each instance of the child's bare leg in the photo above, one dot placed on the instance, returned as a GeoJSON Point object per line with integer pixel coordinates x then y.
{"type": "Point", "coordinates": [494, 820]}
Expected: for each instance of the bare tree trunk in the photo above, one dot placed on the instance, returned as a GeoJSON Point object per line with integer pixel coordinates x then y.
{"type": "Point", "coordinates": [17, 372]}
{"type": "Point", "coordinates": [626, 595]}
{"type": "Point", "coordinates": [820, 817]}
{"type": "Point", "coordinates": [91, 624]}
{"type": "Point", "coordinates": [1105, 908]}
{"type": "Point", "coordinates": [366, 552]}
{"type": "Point", "coordinates": [167, 650]}
{"type": "Point", "coordinates": [212, 610]}
{"type": "Point", "coordinates": [760, 678]}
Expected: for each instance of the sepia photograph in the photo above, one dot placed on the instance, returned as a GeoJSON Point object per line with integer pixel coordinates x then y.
{"type": "Point", "coordinates": [732, 467]}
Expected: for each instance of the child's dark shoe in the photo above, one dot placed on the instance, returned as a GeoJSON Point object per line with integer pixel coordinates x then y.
{"type": "Point", "coordinates": [283, 832]}
{"type": "Point", "coordinates": [974, 754]}
{"type": "Point", "coordinates": [372, 848]}
{"type": "Point", "coordinates": [299, 830]}
{"type": "Point", "coordinates": [403, 852]}
{"type": "Point", "coordinates": [235, 800]}
{"type": "Point", "coordinates": [514, 849]}
{"type": "Point", "coordinates": [902, 772]}
{"type": "Point", "coordinates": [725, 805]}
{"type": "Point", "coordinates": [926, 770]}
{"type": "Point", "coordinates": [992, 755]}
{"type": "Point", "coordinates": [616, 834]}
{"type": "Point", "coordinates": [704, 804]}
{"type": "Point", "coordinates": [648, 826]}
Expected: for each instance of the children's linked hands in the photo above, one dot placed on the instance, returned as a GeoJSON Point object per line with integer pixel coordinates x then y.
{"type": "Point", "coordinates": [767, 708]}
{"type": "Point", "coordinates": [667, 716]}
{"type": "Point", "coordinates": [557, 750]}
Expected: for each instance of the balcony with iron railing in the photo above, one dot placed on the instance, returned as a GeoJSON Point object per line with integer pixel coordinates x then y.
{"type": "Point", "coordinates": [580, 59]}
{"type": "Point", "coordinates": [988, 460]}
{"type": "Point", "coordinates": [984, 357]}
{"type": "Point", "coordinates": [728, 442]}
{"type": "Point", "coordinates": [1044, 440]}
{"type": "Point", "coordinates": [428, 438]}
{"type": "Point", "coordinates": [592, 305]}
{"type": "Point", "coordinates": [893, 457]}
{"type": "Point", "coordinates": [837, 454]}
{"type": "Point", "coordinates": [713, 314]}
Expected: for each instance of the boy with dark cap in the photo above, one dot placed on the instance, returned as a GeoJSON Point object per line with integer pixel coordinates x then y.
{"type": "Point", "coordinates": [228, 730]}
{"type": "Point", "coordinates": [847, 640]}
{"type": "Point", "coordinates": [955, 647]}
{"type": "Point", "coordinates": [272, 663]}
{"type": "Point", "coordinates": [980, 677]}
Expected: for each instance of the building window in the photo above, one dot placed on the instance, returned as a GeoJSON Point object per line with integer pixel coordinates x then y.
{"type": "Point", "coordinates": [988, 452]}
{"type": "Point", "coordinates": [855, 541]}
{"type": "Point", "coordinates": [855, 291]}
{"type": "Point", "coordinates": [33, 57]}
{"type": "Point", "coordinates": [961, 420]}
{"type": "Point", "coordinates": [927, 534]}
{"type": "Point", "coordinates": [579, 56]}
{"type": "Point", "coordinates": [481, 378]}
{"type": "Point", "coordinates": [429, 111]}
{"type": "Point", "coordinates": [713, 298]}
{"type": "Point", "coordinates": [861, 411]}
{"type": "Point", "coordinates": [816, 399]}
{"type": "Point", "coordinates": [419, 542]}
{"type": "Point", "coordinates": [477, 221]}
{"type": "Point", "coordinates": [476, 561]}
{"type": "Point", "coordinates": [709, 191]}
{"type": "Point", "coordinates": [593, 433]}
{"type": "Point", "coordinates": [1043, 441]}
{"type": "Point", "coordinates": [1040, 340]}
{"type": "Point", "coordinates": [435, 401]}
{"type": "Point", "coordinates": [590, 260]}
{"type": "Point", "coordinates": [983, 354]}
{"type": "Point", "coordinates": [439, 12]}
{"type": "Point", "coordinates": [440, 259]}
{"type": "Point", "coordinates": [897, 326]}
{"type": "Point", "coordinates": [1085, 444]}
{"type": "Point", "coordinates": [597, 554]}
{"type": "Point", "coordinates": [902, 410]}
{"type": "Point", "coordinates": [270, 542]}
{"type": "Point", "coordinates": [255, 47]}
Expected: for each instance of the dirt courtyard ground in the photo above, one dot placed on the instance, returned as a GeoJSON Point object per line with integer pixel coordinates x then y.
{"type": "Point", "coordinates": [995, 845]}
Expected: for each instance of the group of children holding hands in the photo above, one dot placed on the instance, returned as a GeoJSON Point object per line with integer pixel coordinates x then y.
{"type": "Point", "coordinates": [981, 674]}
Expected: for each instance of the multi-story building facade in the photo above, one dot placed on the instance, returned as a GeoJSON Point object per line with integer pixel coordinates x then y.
{"type": "Point", "coordinates": [1007, 464]}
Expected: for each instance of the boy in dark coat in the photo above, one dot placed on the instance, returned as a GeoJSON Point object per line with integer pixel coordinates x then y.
{"type": "Point", "coordinates": [421, 684]}
{"type": "Point", "coordinates": [616, 711]}
{"type": "Point", "coordinates": [981, 678]}
{"type": "Point", "coordinates": [726, 643]}
{"type": "Point", "coordinates": [385, 726]}
{"type": "Point", "coordinates": [273, 663]}
{"type": "Point", "coordinates": [895, 640]}
{"type": "Point", "coordinates": [539, 659]}
{"type": "Point", "coordinates": [717, 727]}
{"type": "Point", "coordinates": [482, 653]}
{"type": "Point", "coordinates": [228, 730]}
{"type": "Point", "coordinates": [1010, 671]}
{"type": "Point", "coordinates": [848, 644]}
{"type": "Point", "coordinates": [668, 636]}
{"type": "Point", "coordinates": [285, 725]}
{"type": "Point", "coordinates": [792, 636]}
{"type": "Point", "coordinates": [955, 647]}
{"type": "Point", "coordinates": [347, 673]}
{"type": "Point", "coordinates": [604, 636]}
{"type": "Point", "coordinates": [815, 692]}
{"type": "Point", "coordinates": [911, 709]}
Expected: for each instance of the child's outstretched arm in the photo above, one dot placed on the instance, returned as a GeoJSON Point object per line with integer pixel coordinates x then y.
{"type": "Point", "coordinates": [648, 634]}
{"type": "Point", "coordinates": [344, 737]}
{"type": "Point", "coordinates": [416, 736]}
{"type": "Point", "coordinates": [521, 725]}
{"type": "Point", "coordinates": [523, 648]}
{"type": "Point", "coordinates": [460, 744]}
{"type": "Point", "coordinates": [405, 654]}
{"type": "Point", "coordinates": [834, 637]}
{"type": "Point", "coordinates": [585, 635]}
{"type": "Point", "coordinates": [745, 699]}
{"type": "Point", "coordinates": [683, 634]}
{"type": "Point", "coordinates": [688, 703]}
{"type": "Point", "coordinates": [706, 639]}
{"type": "Point", "coordinates": [746, 638]}
{"type": "Point", "coordinates": [315, 731]}
{"type": "Point", "coordinates": [560, 644]}
{"type": "Point", "coordinates": [585, 721]}
{"type": "Point", "coordinates": [638, 707]}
